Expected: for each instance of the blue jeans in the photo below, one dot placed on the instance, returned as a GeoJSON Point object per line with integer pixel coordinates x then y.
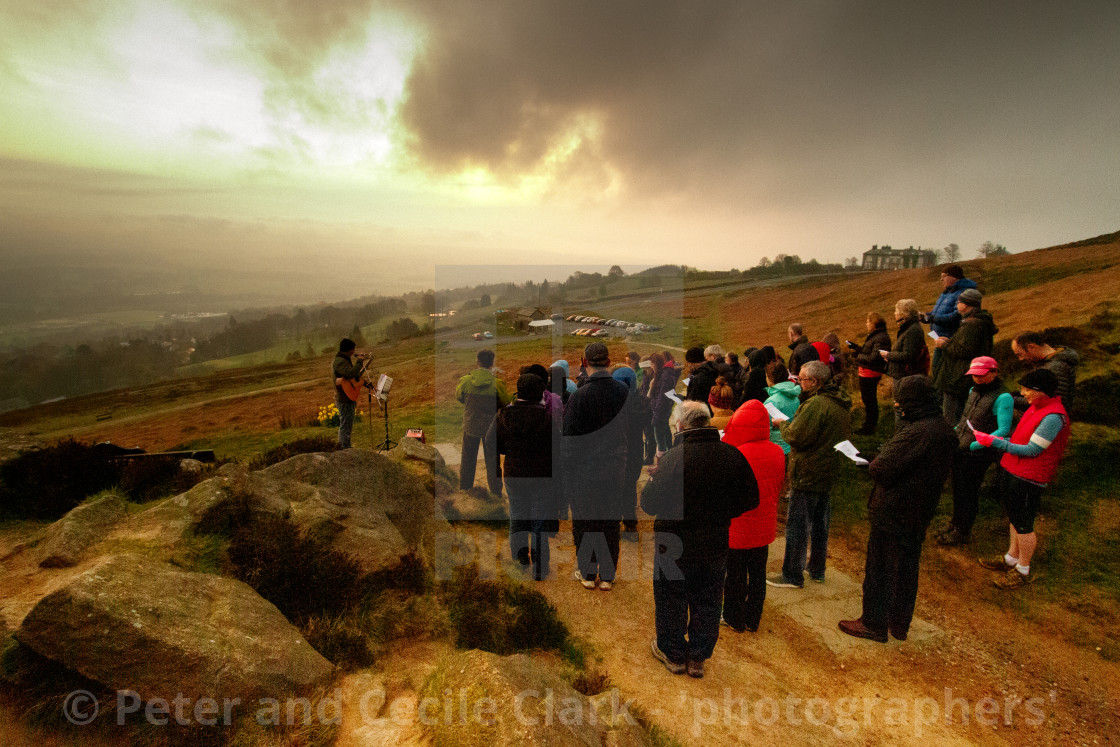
{"type": "Point", "coordinates": [346, 409]}
{"type": "Point", "coordinates": [663, 434]}
{"type": "Point", "coordinates": [806, 521]}
{"type": "Point", "coordinates": [690, 606]}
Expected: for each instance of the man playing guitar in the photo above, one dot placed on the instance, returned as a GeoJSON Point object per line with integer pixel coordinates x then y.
{"type": "Point", "coordinates": [348, 381]}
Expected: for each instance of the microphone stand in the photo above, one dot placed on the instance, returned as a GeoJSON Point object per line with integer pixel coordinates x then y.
{"type": "Point", "coordinates": [387, 443]}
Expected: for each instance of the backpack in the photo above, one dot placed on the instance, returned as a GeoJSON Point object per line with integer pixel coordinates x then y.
{"type": "Point", "coordinates": [920, 364]}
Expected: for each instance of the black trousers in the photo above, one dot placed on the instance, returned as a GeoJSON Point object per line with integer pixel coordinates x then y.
{"type": "Point", "coordinates": [596, 542]}
{"type": "Point", "coordinates": [869, 392]}
{"type": "Point", "coordinates": [890, 580]}
{"type": "Point", "coordinates": [744, 590]}
{"type": "Point", "coordinates": [969, 468]}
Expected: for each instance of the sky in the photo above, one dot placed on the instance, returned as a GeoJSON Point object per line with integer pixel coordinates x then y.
{"type": "Point", "coordinates": [345, 147]}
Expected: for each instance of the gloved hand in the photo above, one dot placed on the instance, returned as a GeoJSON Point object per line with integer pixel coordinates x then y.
{"type": "Point", "coordinates": [852, 345]}
{"type": "Point", "coordinates": [984, 439]}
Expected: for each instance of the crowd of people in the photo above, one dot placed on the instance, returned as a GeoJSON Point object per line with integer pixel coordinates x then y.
{"type": "Point", "coordinates": [724, 436]}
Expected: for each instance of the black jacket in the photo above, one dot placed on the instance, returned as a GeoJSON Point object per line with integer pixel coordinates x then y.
{"type": "Point", "coordinates": [701, 381]}
{"type": "Point", "coordinates": [801, 355]}
{"type": "Point", "coordinates": [906, 353]}
{"type": "Point", "coordinates": [700, 485]}
{"type": "Point", "coordinates": [868, 356]}
{"type": "Point", "coordinates": [525, 433]}
{"type": "Point", "coordinates": [596, 433]}
{"type": "Point", "coordinates": [755, 387]}
{"type": "Point", "coordinates": [911, 469]}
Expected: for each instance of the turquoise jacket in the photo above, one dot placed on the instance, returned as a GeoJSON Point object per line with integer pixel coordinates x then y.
{"type": "Point", "coordinates": [786, 396]}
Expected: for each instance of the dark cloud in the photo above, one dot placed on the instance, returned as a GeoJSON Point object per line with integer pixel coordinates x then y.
{"type": "Point", "coordinates": [778, 103]}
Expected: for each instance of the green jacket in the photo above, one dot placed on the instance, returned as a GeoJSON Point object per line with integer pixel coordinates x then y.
{"type": "Point", "coordinates": [482, 394]}
{"type": "Point", "coordinates": [344, 368]}
{"type": "Point", "coordinates": [822, 421]}
{"type": "Point", "coordinates": [971, 340]}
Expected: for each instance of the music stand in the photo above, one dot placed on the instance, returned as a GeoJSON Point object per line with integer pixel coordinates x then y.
{"type": "Point", "coordinates": [382, 394]}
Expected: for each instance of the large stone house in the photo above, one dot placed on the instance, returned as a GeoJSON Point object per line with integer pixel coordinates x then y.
{"type": "Point", "coordinates": [886, 258]}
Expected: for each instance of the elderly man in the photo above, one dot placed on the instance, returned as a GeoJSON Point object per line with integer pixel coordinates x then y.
{"type": "Point", "coordinates": [908, 473]}
{"type": "Point", "coordinates": [821, 421]}
{"type": "Point", "coordinates": [1030, 347]}
{"type": "Point", "coordinates": [700, 485]}
{"type": "Point", "coordinates": [595, 441]}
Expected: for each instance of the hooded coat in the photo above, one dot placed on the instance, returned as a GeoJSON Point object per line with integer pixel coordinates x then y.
{"type": "Point", "coordinates": [700, 485]}
{"type": "Point", "coordinates": [907, 350]}
{"type": "Point", "coordinates": [971, 340]}
{"type": "Point", "coordinates": [912, 467]}
{"type": "Point", "coordinates": [749, 432]}
{"type": "Point", "coordinates": [569, 385]}
{"type": "Point", "coordinates": [482, 394]}
{"type": "Point", "coordinates": [786, 396]}
{"type": "Point", "coordinates": [822, 421]}
{"type": "Point", "coordinates": [660, 405]}
{"type": "Point", "coordinates": [755, 387]}
{"type": "Point", "coordinates": [637, 414]}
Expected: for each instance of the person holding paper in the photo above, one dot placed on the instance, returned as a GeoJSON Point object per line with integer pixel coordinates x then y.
{"type": "Point", "coordinates": [972, 339]}
{"type": "Point", "coordinates": [821, 422]}
{"type": "Point", "coordinates": [784, 395]}
{"type": "Point", "coordinates": [910, 355]}
{"type": "Point", "coordinates": [871, 370]}
{"type": "Point", "coordinates": [909, 473]}
{"type": "Point", "coordinates": [1030, 459]}
{"type": "Point", "coordinates": [944, 318]}
{"type": "Point", "coordinates": [989, 409]}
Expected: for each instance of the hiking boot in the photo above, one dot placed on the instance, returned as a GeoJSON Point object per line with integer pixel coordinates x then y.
{"type": "Point", "coordinates": [586, 583]}
{"type": "Point", "coordinates": [995, 563]}
{"type": "Point", "coordinates": [898, 635]}
{"type": "Point", "coordinates": [695, 669]}
{"type": "Point", "coordinates": [605, 585]}
{"type": "Point", "coordinates": [818, 579]}
{"type": "Point", "coordinates": [780, 581]}
{"type": "Point", "coordinates": [952, 537]}
{"type": "Point", "coordinates": [1014, 580]}
{"type": "Point", "coordinates": [859, 630]}
{"type": "Point", "coordinates": [672, 666]}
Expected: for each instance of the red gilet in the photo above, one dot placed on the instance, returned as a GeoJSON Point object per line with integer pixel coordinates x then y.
{"type": "Point", "coordinates": [1041, 468]}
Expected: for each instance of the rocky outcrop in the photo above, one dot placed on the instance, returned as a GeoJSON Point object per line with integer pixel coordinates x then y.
{"type": "Point", "coordinates": [411, 449]}
{"type": "Point", "coordinates": [67, 539]}
{"type": "Point", "coordinates": [499, 701]}
{"type": "Point", "coordinates": [131, 623]}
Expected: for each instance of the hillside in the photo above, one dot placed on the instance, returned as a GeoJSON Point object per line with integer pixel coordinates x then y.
{"type": "Point", "coordinates": [1058, 641]}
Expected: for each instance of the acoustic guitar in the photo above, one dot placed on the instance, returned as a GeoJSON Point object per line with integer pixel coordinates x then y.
{"type": "Point", "coordinates": [353, 389]}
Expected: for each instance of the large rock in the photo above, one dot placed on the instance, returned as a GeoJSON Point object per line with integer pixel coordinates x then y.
{"type": "Point", "coordinates": [131, 623]}
{"type": "Point", "coordinates": [411, 449]}
{"type": "Point", "coordinates": [515, 701]}
{"type": "Point", "coordinates": [68, 538]}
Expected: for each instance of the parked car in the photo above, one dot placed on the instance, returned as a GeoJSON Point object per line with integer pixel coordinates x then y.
{"type": "Point", "coordinates": [477, 335]}
{"type": "Point", "coordinates": [488, 334]}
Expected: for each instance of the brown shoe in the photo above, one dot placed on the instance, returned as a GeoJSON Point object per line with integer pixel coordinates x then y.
{"type": "Point", "coordinates": [995, 563]}
{"type": "Point", "coordinates": [695, 669]}
{"type": "Point", "coordinates": [859, 630]}
{"type": "Point", "coordinates": [661, 656]}
{"type": "Point", "coordinates": [1014, 580]}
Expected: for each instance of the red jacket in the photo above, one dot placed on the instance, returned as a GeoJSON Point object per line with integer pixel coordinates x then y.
{"type": "Point", "coordinates": [749, 431]}
{"type": "Point", "coordinates": [824, 351]}
{"type": "Point", "coordinates": [1041, 468]}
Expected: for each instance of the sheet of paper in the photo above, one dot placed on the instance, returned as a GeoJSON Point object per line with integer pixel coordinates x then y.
{"type": "Point", "coordinates": [721, 435]}
{"type": "Point", "coordinates": [933, 334]}
{"type": "Point", "coordinates": [686, 380]}
{"type": "Point", "coordinates": [848, 449]}
{"type": "Point", "coordinates": [971, 427]}
{"type": "Point", "coordinates": [645, 364]}
{"type": "Point", "coordinates": [775, 414]}
{"type": "Point", "coordinates": [673, 396]}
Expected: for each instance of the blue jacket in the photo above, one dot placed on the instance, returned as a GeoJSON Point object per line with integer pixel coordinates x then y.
{"type": "Point", "coordinates": [944, 318]}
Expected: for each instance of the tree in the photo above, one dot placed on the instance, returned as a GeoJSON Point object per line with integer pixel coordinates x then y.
{"type": "Point", "coordinates": [357, 336]}
{"type": "Point", "coordinates": [988, 249]}
{"type": "Point", "coordinates": [952, 252]}
{"type": "Point", "coordinates": [485, 300]}
{"type": "Point", "coordinates": [851, 263]}
{"type": "Point", "coordinates": [764, 262]}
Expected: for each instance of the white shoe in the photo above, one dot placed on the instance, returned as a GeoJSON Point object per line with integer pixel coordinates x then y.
{"type": "Point", "coordinates": [587, 584]}
{"type": "Point", "coordinates": [606, 585]}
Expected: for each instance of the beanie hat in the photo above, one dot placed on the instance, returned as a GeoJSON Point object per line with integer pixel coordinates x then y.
{"type": "Point", "coordinates": [694, 355]}
{"type": "Point", "coordinates": [597, 355]}
{"type": "Point", "coordinates": [530, 387]}
{"type": "Point", "coordinates": [1041, 380]}
{"type": "Point", "coordinates": [346, 345]}
{"type": "Point", "coordinates": [971, 297]}
{"type": "Point", "coordinates": [954, 271]}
